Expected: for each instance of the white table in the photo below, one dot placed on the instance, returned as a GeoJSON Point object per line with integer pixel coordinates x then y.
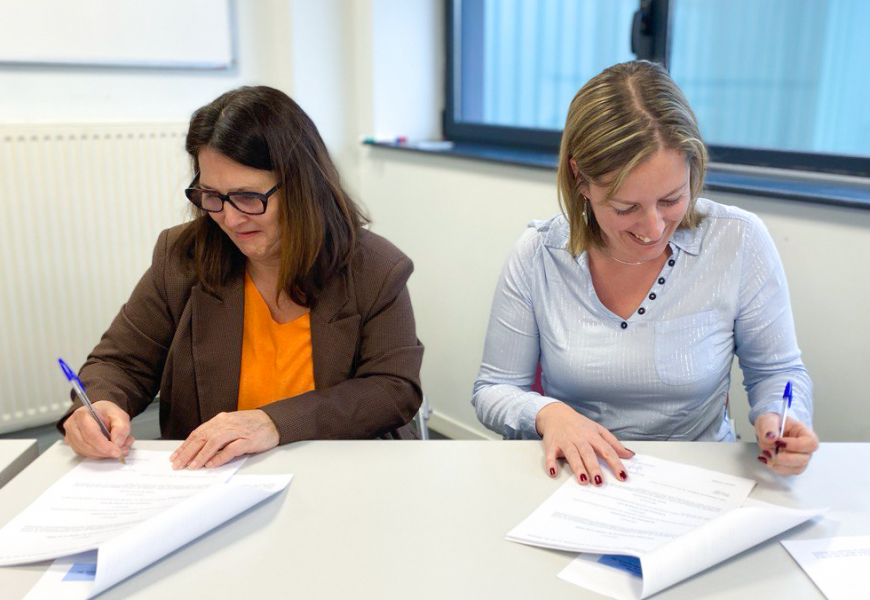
{"type": "Point", "coordinates": [427, 520]}
{"type": "Point", "coordinates": [14, 456]}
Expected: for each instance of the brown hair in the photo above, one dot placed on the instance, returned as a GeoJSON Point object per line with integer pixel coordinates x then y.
{"type": "Point", "coordinates": [262, 128]}
{"type": "Point", "coordinates": [620, 118]}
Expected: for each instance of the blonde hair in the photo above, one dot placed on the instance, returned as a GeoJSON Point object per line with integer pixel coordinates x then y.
{"type": "Point", "coordinates": [620, 118]}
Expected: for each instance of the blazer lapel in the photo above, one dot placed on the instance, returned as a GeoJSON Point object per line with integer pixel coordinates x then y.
{"type": "Point", "coordinates": [218, 320]}
{"type": "Point", "coordinates": [335, 328]}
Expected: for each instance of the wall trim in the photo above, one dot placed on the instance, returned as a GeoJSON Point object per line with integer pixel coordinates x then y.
{"type": "Point", "coordinates": [456, 430]}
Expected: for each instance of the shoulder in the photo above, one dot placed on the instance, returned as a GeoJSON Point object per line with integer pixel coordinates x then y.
{"type": "Point", "coordinates": [172, 269]}
{"type": "Point", "coordinates": [374, 255]}
{"type": "Point", "coordinates": [722, 214]}
{"type": "Point", "coordinates": [721, 224]}
{"type": "Point", "coordinates": [378, 269]}
{"type": "Point", "coordinates": [171, 235]}
{"type": "Point", "coordinates": [549, 233]}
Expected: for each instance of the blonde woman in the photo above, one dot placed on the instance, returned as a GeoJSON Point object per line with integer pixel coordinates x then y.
{"type": "Point", "coordinates": [636, 299]}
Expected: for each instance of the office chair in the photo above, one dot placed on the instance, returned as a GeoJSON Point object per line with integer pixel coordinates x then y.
{"type": "Point", "coordinates": [421, 418]}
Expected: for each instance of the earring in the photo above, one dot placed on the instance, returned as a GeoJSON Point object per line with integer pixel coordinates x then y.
{"type": "Point", "coordinates": [585, 210]}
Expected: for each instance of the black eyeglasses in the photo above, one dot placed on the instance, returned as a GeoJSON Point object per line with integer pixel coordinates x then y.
{"type": "Point", "coordinates": [250, 203]}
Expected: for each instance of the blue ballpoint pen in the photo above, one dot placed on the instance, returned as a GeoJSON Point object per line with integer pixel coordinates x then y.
{"type": "Point", "coordinates": [786, 404]}
{"type": "Point", "coordinates": [79, 389]}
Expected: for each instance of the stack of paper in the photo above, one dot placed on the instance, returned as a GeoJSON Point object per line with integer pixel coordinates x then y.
{"type": "Point", "coordinates": [131, 515]}
{"type": "Point", "coordinates": [666, 523]}
{"type": "Point", "coordinates": [839, 566]}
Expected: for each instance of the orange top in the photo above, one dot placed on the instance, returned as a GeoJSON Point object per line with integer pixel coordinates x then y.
{"type": "Point", "coordinates": [276, 357]}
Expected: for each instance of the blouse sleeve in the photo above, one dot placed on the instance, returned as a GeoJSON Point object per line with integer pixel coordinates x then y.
{"type": "Point", "coordinates": [502, 393]}
{"type": "Point", "coordinates": [764, 333]}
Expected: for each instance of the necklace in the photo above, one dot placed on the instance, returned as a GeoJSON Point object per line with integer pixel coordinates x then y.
{"type": "Point", "coordinates": [623, 262]}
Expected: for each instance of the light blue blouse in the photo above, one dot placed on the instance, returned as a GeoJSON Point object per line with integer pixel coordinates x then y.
{"type": "Point", "coordinates": [663, 373]}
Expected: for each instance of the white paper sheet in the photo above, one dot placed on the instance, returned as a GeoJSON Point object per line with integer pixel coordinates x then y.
{"type": "Point", "coordinates": [87, 575]}
{"type": "Point", "coordinates": [839, 566]}
{"type": "Point", "coordinates": [660, 501]}
{"type": "Point", "coordinates": [708, 545]}
{"type": "Point", "coordinates": [668, 522]}
{"type": "Point", "coordinates": [97, 500]}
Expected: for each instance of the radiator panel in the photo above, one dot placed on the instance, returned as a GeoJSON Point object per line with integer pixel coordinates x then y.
{"type": "Point", "coordinates": [83, 205]}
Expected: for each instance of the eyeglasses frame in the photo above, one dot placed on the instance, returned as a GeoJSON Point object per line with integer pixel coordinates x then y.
{"type": "Point", "coordinates": [264, 198]}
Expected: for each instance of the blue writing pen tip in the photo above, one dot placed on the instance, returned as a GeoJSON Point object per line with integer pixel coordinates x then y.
{"type": "Point", "coordinates": [787, 392]}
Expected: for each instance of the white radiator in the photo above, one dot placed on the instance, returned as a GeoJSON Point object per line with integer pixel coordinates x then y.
{"type": "Point", "coordinates": [82, 206]}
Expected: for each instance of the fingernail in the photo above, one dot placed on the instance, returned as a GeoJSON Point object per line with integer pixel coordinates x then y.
{"type": "Point", "coordinates": [552, 472]}
{"type": "Point", "coordinates": [172, 456]}
{"type": "Point", "coordinates": [770, 435]}
{"type": "Point", "coordinates": [779, 444]}
{"type": "Point", "coordinates": [622, 475]}
{"type": "Point", "coordinates": [762, 459]}
{"type": "Point", "coordinates": [767, 454]}
{"type": "Point", "coordinates": [598, 480]}
{"type": "Point", "coordinates": [192, 466]}
{"type": "Point", "coordinates": [632, 451]}
{"type": "Point", "coordinates": [583, 477]}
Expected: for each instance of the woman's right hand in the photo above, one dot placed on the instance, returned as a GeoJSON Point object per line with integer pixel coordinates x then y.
{"type": "Point", "coordinates": [568, 434]}
{"type": "Point", "coordinates": [84, 435]}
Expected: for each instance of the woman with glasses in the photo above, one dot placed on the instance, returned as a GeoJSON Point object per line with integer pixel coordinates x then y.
{"type": "Point", "coordinates": [273, 316]}
{"type": "Point", "coordinates": [635, 301]}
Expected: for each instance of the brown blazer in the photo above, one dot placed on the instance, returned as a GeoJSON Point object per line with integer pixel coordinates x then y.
{"type": "Point", "coordinates": [174, 336]}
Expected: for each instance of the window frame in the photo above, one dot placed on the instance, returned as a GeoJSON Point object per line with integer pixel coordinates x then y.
{"type": "Point", "coordinates": [650, 40]}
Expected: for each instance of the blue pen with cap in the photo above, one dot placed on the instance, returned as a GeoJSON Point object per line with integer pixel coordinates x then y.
{"type": "Point", "coordinates": [786, 405]}
{"type": "Point", "coordinates": [79, 389]}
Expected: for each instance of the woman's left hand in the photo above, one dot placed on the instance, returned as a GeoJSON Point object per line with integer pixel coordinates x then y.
{"type": "Point", "coordinates": [790, 454]}
{"type": "Point", "coordinates": [225, 437]}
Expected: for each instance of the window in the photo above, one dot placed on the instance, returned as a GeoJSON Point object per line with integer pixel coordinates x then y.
{"type": "Point", "coordinates": [778, 83]}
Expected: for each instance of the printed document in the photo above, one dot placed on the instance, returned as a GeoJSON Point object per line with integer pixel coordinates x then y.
{"type": "Point", "coordinates": [97, 500]}
{"type": "Point", "coordinates": [85, 575]}
{"type": "Point", "coordinates": [666, 523]}
{"type": "Point", "coordinates": [109, 520]}
{"type": "Point", "coordinates": [660, 501]}
{"type": "Point", "coordinates": [839, 566]}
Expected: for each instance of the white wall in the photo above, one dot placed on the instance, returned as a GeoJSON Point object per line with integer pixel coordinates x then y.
{"type": "Point", "coordinates": [76, 94]}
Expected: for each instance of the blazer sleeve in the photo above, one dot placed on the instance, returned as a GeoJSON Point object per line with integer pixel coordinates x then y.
{"type": "Point", "coordinates": [126, 366]}
{"type": "Point", "coordinates": [384, 390]}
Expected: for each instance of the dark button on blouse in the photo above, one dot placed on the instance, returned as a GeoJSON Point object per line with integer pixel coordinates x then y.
{"type": "Point", "coordinates": [652, 296]}
{"type": "Point", "coordinates": [624, 325]}
{"type": "Point", "coordinates": [641, 310]}
{"type": "Point", "coordinates": [672, 262]}
{"type": "Point", "coordinates": [661, 280]}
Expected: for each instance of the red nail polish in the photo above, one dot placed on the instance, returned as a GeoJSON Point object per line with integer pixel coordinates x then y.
{"type": "Point", "coordinates": [622, 475]}
{"type": "Point", "coordinates": [598, 480]}
{"type": "Point", "coordinates": [767, 454]}
{"type": "Point", "coordinates": [552, 472]}
{"type": "Point", "coordinates": [770, 435]}
{"type": "Point", "coordinates": [583, 477]}
{"type": "Point", "coordinates": [779, 444]}
{"type": "Point", "coordinates": [762, 459]}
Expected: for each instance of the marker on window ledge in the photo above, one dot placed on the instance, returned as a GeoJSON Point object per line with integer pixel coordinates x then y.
{"type": "Point", "coordinates": [434, 145]}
